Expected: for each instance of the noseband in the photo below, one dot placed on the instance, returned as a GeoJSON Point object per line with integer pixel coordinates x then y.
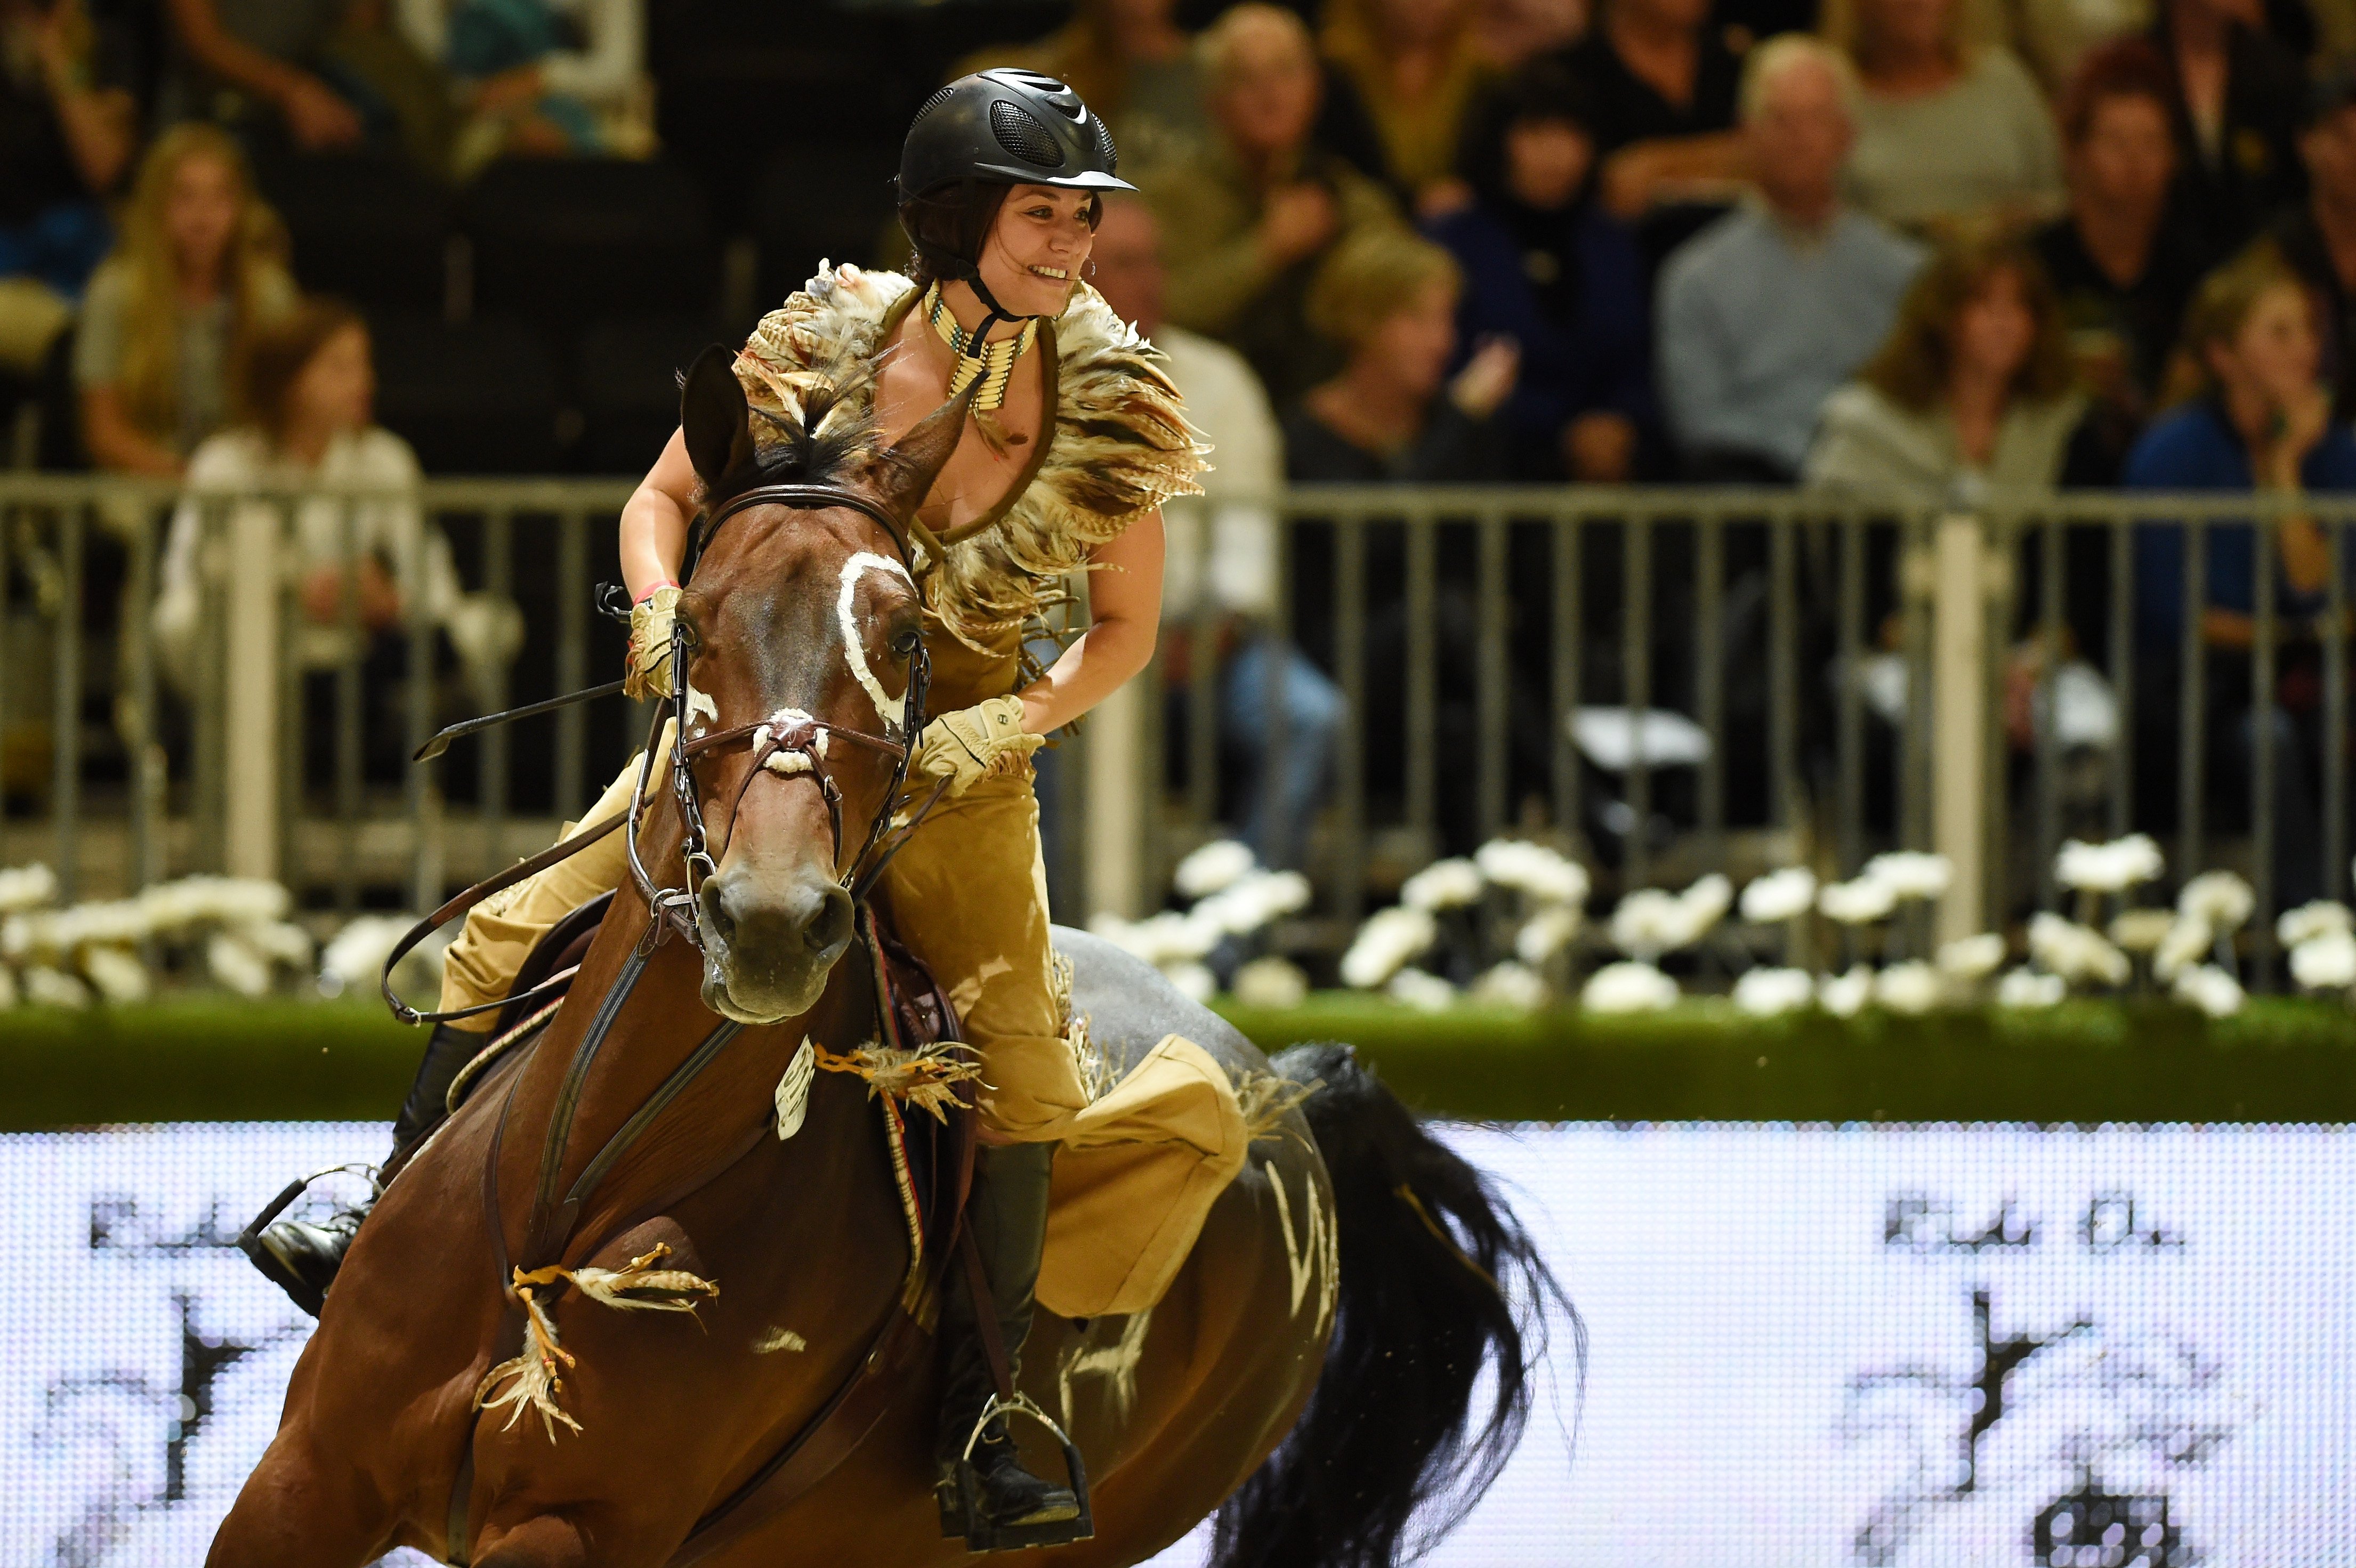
{"type": "Point", "coordinates": [674, 909]}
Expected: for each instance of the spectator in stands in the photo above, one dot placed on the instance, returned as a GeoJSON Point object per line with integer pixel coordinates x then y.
{"type": "Point", "coordinates": [1394, 415]}
{"type": "Point", "coordinates": [2258, 419]}
{"type": "Point", "coordinates": [1221, 572]}
{"type": "Point", "coordinates": [1662, 84]}
{"type": "Point", "coordinates": [2122, 263]}
{"type": "Point", "coordinates": [1130, 61]}
{"type": "Point", "coordinates": [1510, 34]}
{"type": "Point", "coordinates": [1547, 267]}
{"type": "Point", "coordinates": [1765, 312]}
{"type": "Point", "coordinates": [68, 128]}
{"type": "Point", "coordinates": [1263, 206]}
{"type": "Point", "coordinates": [307, 420]}
{"type": "Point", "coordinates": [1410, 69]}
{"type": "Point", "coordinates": [2238, 97]}
{"type": "Point", "coordinates": [2318, 237]}
{"type": "Point", "coordinates": [265, 68]}
{"type": "Point", "coordinates": [199, 269]}
{"type": "Point", "coordinates": [524, 87]}
{"type": "Point", "coordinates": [1974, 387]}
{"type": "Point", "coordinates": [1949, 133]}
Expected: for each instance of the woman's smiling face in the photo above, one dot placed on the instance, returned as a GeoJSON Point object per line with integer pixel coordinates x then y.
{"type": "Point", "coordinates": [1038, 248]}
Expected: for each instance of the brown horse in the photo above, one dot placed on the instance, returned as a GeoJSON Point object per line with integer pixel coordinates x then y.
{"type": "Point", "coordinates": [1356, 1267]}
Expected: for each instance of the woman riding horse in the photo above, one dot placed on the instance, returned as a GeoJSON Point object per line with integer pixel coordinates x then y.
{"type": "Point", "coordinates": [1073, 439]}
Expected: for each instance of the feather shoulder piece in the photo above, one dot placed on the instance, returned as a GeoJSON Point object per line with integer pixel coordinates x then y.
{"type": "Point", "coordinates": [1121, 446]}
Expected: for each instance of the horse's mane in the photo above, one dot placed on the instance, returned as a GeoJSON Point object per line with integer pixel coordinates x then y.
{"type": "Point", "coordinates": [824, 440]}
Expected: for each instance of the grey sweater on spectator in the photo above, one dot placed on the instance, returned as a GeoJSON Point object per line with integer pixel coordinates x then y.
{"type": "Point", "coordinates": [1759, 321]}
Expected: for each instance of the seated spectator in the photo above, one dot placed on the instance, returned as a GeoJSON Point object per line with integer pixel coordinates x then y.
{"type": "Point", "coordinates": [1949, 133]}
{"type": "Point", "coordinates": [540, 77]}
{"type": "Point", "coordinates": [1661, 83]}
{"type": "Point", "coordinates": [2122, 263]}
{"type": "Point", "coordinates": [2258, 419]}
{"type": "Point", "coordinates": [68, 128]}
{"type": "Point", "coordinates": [1131, 63]}
{"type": "Point", "coordinates": [308, 422]}
{"type": "Point", "coordinates": [2317, 238]}
{"type": "Point", "coordinates": [199, 269]}
{"type": "Point", "coordinates": [1222, 570]}
{"type": "Point", "coordinates": [1263, 206]}
{"type": "Point", "coordinates": [263, 68]}
{"type": "Point", "coordinates": [2238, 95]}
{"type": "Point", "coordinates": [1393, 415]}
{"type": "Point", "coordinates": [1765, 312]}
{"type": "Point", "coordinates": [1412, 68]}
{"type": "Point", "coordinates": [1974, 389]}
{"type": "Point", "coordinates": [1547, 267]}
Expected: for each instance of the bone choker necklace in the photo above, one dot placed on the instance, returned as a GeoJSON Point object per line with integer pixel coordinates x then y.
{"type": "Point", "coordinates": [991, 363]}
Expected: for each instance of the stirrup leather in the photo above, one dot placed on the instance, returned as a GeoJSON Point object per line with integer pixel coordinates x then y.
{"type": "Point", "coordinates": [961, 1501]}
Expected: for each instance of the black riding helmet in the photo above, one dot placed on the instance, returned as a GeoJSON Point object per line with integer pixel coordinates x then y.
{"type": "Point", "coordinates": [993, 129]}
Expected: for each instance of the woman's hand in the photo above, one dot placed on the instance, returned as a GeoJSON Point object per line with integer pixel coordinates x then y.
{"type": "Point", "coordinates": [1488, 378]}
{"type": "Point", "coordinates": [379, 598]}
{"type": "Point", "coordinates": [1598, 447]}
{"type": "Point", "coordinates": [2299, 423]}
{"type": "Point", "coordinates": [1296, 221]}
{"type": "Point", "coordinates": [319, 118]}
{"type": "Point", "coordinates": [973, 742]}
{"type": "Point", "coordinates": [516, 89]}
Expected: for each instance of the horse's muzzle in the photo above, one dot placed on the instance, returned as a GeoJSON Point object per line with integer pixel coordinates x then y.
{"type": "Point", "coordinates": [769, 944]}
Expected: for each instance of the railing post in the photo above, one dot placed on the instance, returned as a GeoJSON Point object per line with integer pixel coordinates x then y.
{"type": "Point", "coordinates": [250, 694]}
{"type": "Point", "coordinates": [1959, 719]}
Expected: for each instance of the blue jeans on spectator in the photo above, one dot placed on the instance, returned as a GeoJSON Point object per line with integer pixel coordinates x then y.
{"type": "Point", "coordinates": [1282, 785]}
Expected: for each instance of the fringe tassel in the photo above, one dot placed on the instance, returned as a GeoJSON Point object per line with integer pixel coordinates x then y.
{"type": "Point", "coordinates": [637, 1286]}
{"type": "Point", "coordinates": [925, 1078]}
{"type": "Point", "coordinates": [1264, 1098]}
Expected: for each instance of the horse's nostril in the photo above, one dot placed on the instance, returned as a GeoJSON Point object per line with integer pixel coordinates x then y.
{"type": "Point", "coordinates": [830, 926]}
{"type": "Point", "coordinates": [716, 918]}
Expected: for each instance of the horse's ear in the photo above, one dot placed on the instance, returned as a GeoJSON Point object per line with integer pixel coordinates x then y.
{"type": "Point", "coordinates": [714, 415]}
{"type": "Point", "coordinates": [906, 472]}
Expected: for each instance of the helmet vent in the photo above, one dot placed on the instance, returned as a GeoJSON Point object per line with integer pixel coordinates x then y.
{"type": "Point", "coordinates": [934, 102]}
{"type": "Point", "coordinates": [1104, 144]}
{"type": "Point", "coordinates": [1024, 136]}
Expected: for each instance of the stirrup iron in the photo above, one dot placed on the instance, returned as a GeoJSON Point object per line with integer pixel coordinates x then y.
{"type": "Point", "coordinates": [961, 1513]}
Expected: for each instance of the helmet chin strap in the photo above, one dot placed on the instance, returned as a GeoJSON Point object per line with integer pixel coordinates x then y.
{"type": "Point", "coordinates": [997, 312]}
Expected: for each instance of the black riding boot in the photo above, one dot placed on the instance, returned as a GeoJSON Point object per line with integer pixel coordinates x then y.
{"type": "Point", "coordinates": [302, 1258]}
{"type": "Point", "coordinates": [1010, 1506]}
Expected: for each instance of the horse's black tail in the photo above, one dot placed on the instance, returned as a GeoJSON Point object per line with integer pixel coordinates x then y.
{"type": "Point", "coordinates": [1440, 1284]}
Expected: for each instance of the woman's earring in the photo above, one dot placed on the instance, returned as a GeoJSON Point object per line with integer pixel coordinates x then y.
{"type": "Point", "coordinates": [1089, 270]}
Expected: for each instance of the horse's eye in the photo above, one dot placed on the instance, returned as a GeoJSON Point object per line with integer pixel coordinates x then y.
{"type": "Point", "coordinates": [906, 643]}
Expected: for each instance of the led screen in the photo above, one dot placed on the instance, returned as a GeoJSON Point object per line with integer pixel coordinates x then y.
{"type": "Point", "coordinates": [1940, 1346]}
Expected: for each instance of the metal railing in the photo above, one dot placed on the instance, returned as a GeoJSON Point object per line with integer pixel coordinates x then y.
{"type": "Point", "coordinates": [1662, 681]}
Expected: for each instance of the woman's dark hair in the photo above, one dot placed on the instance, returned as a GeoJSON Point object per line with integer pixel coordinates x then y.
{"type": "Point", "coordinates": [1539, 91]}
{"type": "Point", "coordinates": [1915, 361]}
{"type": "Point", "coordinates": [279, 354]}
{"type": "Point", "coordinates": [948, 226]}
{"type": "Point", "coordinates": [2124, 68]}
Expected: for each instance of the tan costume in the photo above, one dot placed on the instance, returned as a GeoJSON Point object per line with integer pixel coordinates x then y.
{"type": "Point", "coordinates": [1144, 1157]}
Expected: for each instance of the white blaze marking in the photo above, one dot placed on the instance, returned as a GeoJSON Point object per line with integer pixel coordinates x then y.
{"type": "Point", "coordinates": [700, 703]}
{"type": "Point", "coordinates": [893, 710]}
{"type": "Point", "coordinates": [793, 1092]}
{"type": "Point", "coordinates": [1117, 1361]}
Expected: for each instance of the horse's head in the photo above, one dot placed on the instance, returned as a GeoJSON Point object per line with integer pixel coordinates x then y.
{"type": "Point", "coordinates": [794, 614]}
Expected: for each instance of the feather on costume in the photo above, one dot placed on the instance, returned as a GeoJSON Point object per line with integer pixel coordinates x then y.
{"type": "Point", "coordinates": [1120, 444]}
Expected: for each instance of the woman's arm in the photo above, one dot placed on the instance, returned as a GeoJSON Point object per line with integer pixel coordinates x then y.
{"type": "Point", "coordinates": [99, 122]}
{"type": "Point", "coordinates": [1124, 617]}
{"type": "Point", "coordinates": [115, 443]}
{"type": "Point", "coordinates": [313, 112]}
{"type": "Point", "coordinates": [654, 521]}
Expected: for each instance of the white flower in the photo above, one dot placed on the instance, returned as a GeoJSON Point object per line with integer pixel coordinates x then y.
{"type": "Point", "coordinates": [1511, 984]}
{"type": "Point", "coordinates": [1271, 982]}
{"type": "Point", "coordinates": [1249, 902]}
{"type": "Point", "coordinates": [1627, 989]}
{"type": "Point", "coordinates": [1969, 958]}
{"type": "Point", "coordinates": [1196, 983]}
{"type": "Point", "coordinates": [1845, 995]}
{"type": "Point", "coordinates": [1162, 938]}
{"type": "Point", "coordinates": [8, 997]}
{"type": "Point", "coordinates": [1910, 987]}
{"type": "Point", "coordinates": [1780, 895]}
{"type": "Point", "coordinates": [1703, 905]}
{"type": "Point", "coordinates": [1443, 884]}
{"type": "Point", "coordinates": [2325, 962]}
{"type": "Point", "coordinates": [27, 886]}
{"type": "Point", "coordinates": [2220, 898]}
{"type": "Point", "coordinates": [1764, 993]}
{"type": "Point", "coordinates": [279, 940]}
{"type": "Point", "coordinates": [1422, 990]}
{"type": "Point", "coordinates": [1389, 938]}
{"type": "Point", "coordinates": [47, 987]}
{"type": "Point", "coordinates": [116, 973]}
{"type": "Point", "coordinates": [1546, 875]}
{"type": "Point", "coordinates": [2309, 921]}
{"type": "Point", "coordinates": [1212, 867]}
{"type": "Point", "coordinates": [2210, 988]}
{"type": "Point", "coordinates": [2188, 940]}
{"type": "Point", "coordinates": [1546, 934]}
{"type": "Point", "coordinates": [357, 953]}
{"type": "Point", "coordinates": [1648, 923]}
{"type": "Point", "coordinates": [226, 900]}
{"type": "Point", "coordinates": [1859, 902]}
{"type": "Point", "coordinates": [2026, 988]}
{"type": "Point", "coordinates": [2079, 953]}
{"type": "Point", "coordinates": [2111, 868]}
{"type": "Point", "coordinates": [117, 923]}
{"type": "Point", "coordinates": [2142, 930]}
{"type": "Point", "coordinates": [1910, 874]}
{"type": "Point", "coordinates": [235, 964]}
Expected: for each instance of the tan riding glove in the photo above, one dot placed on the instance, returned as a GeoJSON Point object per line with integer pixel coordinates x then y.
{"type": "Point", "coordinates": [650, 622]}
{"type": "Point", "coordinates": [973, 741]}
